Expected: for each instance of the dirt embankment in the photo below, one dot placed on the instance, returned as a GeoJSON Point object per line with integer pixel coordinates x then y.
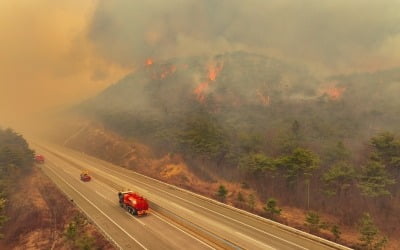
{"type": "Point", "coordinates": [41, 217]}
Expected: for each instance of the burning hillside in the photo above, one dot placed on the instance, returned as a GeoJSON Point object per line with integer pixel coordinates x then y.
{"type": "Point", "coordinates": [242, 89]}
{"type": "Point", "coordinates": [229, 80]}
{"type": "Point", "coordinates": [246, 117]}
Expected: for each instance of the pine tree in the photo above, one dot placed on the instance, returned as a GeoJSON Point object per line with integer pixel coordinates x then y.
{"type": "Point", "coordinates": [301, 163]}
{"type": "Point", "coordinates": [313, 222]}
{"type": "Point", "coordinates": [339, 178]}
{"type": "Point", "coordinates": [240, 197]}
{"type": "Point", "coordinates": [387, 147]}
{"type": "Point", "coordinates": [374, 180]}
{"type": "Point", "coordinates": [222, 192]}
{"type": "Point", "coordinates": [271, 207]}
{"type": "Point", "coordinates": [369, 234]}
{"type": "Point", "coordinates": [71, 231]}
{"type": "Point", "coordinates": [336, 232]}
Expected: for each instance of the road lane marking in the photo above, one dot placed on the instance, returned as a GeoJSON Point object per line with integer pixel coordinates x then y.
{"type": "Point", "coordinates": [114, 191]}
{"type": "Point", "coordinates": [68, 171]}
{"type": "Point", "coordinates": [182, 208]}
{"type": "Point", "coordinates": [196, 205]}
{"type": "Point", "coordinates": [91, 203]}
{"type": "Point", "coordinates": [98, 225]}
{"type": "Point", "coordinates": [80, 162]}
{"type": "Point", "coordinates": [262, 244]}
{"type": "Point", "coordinates": [101, 195]}
{"type": "Point", "coordinates": [153, 213]}
{"type": "Point", "coordinates": [133, 217]}
{"type": "Point", "coordinates": [130, 215]}
{"type": "Point", "coordinates": [104, 197]}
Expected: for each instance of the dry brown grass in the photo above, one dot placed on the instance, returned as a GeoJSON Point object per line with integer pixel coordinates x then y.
{"type": "Point", "coordinates": [38, 214]}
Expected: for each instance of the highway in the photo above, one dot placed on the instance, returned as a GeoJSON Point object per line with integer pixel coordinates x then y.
{"type": "Point", "coordinates": [178, 220]}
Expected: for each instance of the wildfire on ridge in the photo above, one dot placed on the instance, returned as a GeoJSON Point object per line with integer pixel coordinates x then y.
{"type": "Point", "coordinates": [199, 91]}
{"type": "Point", "coordinates": [335, 93]}
{"type": "Point", "coordinates": [213, 71]}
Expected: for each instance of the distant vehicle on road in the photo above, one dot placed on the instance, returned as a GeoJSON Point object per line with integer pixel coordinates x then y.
{"type": "Point", "coordinates": [39, 159]}
{"type": "Point", "coordinates": [85, 176]}
{"type": "Point", "coordinates": [133, 203]}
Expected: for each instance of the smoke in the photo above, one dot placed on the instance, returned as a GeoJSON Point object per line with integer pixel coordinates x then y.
{"type": "Point", "coordinates": [46, 60]}
{"type": "Point", "coordinates": [56, 53]}
{"type": "Point", "coordinates": [335, 35]}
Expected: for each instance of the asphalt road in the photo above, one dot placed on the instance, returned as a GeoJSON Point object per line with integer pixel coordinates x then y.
{"type": "Point", "coordinates": [182, 219]}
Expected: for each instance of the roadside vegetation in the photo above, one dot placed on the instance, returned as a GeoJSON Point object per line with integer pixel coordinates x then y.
{"type": "Point", "coordinates": [34, 214]}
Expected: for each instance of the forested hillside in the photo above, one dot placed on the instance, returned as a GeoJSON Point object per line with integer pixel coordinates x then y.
{"type": "Point", "coordinates": [327, 145]}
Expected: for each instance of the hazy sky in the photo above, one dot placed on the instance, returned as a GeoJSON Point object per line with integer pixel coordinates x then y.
{"type": "Point", "coordinates": [46, 61]}
{"type": "Point", "coordinates": [54, 53]}
{"type": "Point", "coordinates": [334, 34]}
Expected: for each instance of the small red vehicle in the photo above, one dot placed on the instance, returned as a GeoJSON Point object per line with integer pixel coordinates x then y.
{"type": "Point", "coordinates": [85, 176]}
{"type": "Point", "coordinates": [39, 159]}
{"type": "Point", "coordinates": [133, 202]}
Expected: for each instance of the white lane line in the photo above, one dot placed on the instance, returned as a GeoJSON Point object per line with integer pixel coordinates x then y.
{"type": "Point", "coordinates": [194, 204]}
{"type": "Point", "coordinates": [98, 225]}
{"type": "Point", "coordinates": [101, 195]}
{"type": "Point", "coordinates": [182, 208]}
{"type": "Point", "coordinates": [69, 171]}
{"type": "Point", "coordinates": [257, 242]}
{"type": "Point", "coordinates": [153, 213]}
{"type": "Point", "coordinates": [91, 203]}
{"type": "Point", "coordinates": [114, 191]}
{"type": "Point", "coordinates": [132, 216]}
{"type": "Point", "coordinates": [125, 211]}
{"type": "Point", "coordinates": [217, 213]}
{"type": "Point", "coordinates": [104, 197]}
{"type": "Point", "coordinates": [138, 220]}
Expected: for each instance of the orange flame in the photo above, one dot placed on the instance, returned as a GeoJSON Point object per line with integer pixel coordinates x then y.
{"type": "Point", "coordinates": [335, 93]}
{"type": "Point", "coordinates": [149, 62]}
{"type": "Point", "coordinates": [213, 71]}
{"type": "Point", "coordinates": [199, 91]}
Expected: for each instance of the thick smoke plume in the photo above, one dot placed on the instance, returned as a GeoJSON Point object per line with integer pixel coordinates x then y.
{"type": "Point", "coordinates": [46, 60]}
{"type": "Point", "coordinates": [54, 53]}
{"type": "Point", "coordinates": [333, 35]}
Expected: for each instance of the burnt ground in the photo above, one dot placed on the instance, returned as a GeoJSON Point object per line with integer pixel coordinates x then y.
{"type": "Point", "coordinates": [40, 214]}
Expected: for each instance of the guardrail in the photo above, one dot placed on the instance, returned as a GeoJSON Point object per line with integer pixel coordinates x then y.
{"type": "Point", "coordinates": [189, 226]}
{"type": "Point", "coordinates": [195, 229]}
{"type": "Point", "coordinates": [254, 216]}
